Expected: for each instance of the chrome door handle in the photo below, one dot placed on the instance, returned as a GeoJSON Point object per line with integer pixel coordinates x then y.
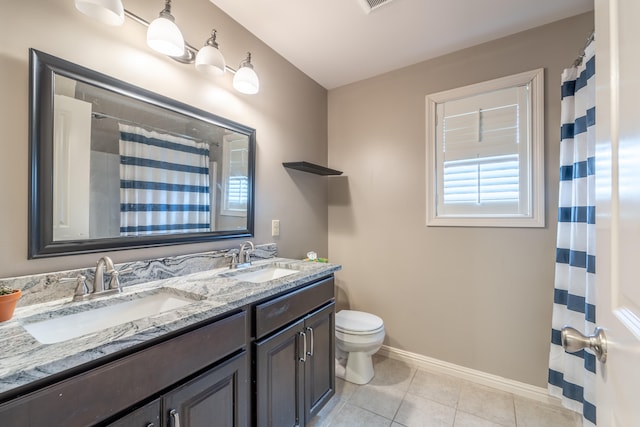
{"type": "Point", "coordinates": [304, 347]}
{"type": "Point", "coordinates": [573, 341]}
{"type": "Point", "coordinates": [175, 417]}
{"type": "Point", "coordinates": [310, 353]}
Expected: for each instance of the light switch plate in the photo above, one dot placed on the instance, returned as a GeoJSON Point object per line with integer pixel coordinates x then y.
{"type": "Point", "coordinates": [275, 227]}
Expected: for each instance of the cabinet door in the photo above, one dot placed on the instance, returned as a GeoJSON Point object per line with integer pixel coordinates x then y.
{"type": "Point", "coordinates": [320, 379]}
{"type": "Point", "coordinates": [146, 416]}
{"type": "Point", "coordinates": [279, 378]}
{"type": "Point", "coordinates": [217, 398]}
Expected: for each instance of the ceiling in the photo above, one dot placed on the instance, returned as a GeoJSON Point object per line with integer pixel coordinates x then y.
{"type": "Point", "coordinates": [335, 42]}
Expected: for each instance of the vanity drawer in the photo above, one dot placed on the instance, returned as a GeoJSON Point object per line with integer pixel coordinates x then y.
{"type": "Point", "coordinates": [275, 313]}
{"type": "Point", "coordinates": [100, 393]}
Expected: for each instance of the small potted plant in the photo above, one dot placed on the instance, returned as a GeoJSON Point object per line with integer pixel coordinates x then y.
{"type": "Point", "coordinates": [8, 299]}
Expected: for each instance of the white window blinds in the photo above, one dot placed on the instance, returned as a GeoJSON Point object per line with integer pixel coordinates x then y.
{"type": "Point", "coordinates": [482, 148]}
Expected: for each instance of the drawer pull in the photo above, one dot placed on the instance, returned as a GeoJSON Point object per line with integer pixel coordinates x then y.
{"type": "Point", "coordinates": [304, 347]}
{"type": "Point", "coordinates": [310, 353]}
{"type": "Point", "coordinates": [175, 418]}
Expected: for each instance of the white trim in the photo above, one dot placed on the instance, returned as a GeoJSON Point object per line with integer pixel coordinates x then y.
{"type": "Point", "coordinates": [537, 196]}
{"type": "Point", "coordinates": [438, 366]}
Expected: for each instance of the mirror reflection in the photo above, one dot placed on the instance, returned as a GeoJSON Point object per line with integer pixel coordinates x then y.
{"type": "Point", "coordinates": [132, 168]}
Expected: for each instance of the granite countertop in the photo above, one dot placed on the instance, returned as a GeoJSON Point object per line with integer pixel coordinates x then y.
{"type": "Point", "coordinates": [215, 292]}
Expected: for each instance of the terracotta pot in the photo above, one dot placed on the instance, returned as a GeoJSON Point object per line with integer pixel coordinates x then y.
{"type": "Point", "coordinates": [8, 304]}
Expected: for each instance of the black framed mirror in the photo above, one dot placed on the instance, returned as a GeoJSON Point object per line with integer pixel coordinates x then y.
{"type": "Point", "coordinates": [114, 166]}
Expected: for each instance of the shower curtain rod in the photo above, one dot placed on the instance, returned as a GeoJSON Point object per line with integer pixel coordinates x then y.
{"type": "Point", "coordinates": [591, 38]}
{"type": "Point", "coordinates": [98, 115]}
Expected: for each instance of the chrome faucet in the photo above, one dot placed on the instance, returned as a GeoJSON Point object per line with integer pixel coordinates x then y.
{"type": "Point", "coordinates": [244, 257]}
{"type": "Point", "coordinates": [105, 263]}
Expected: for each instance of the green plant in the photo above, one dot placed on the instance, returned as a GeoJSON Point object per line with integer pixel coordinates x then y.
{"type": "Point", "coordinates": [6, 290]}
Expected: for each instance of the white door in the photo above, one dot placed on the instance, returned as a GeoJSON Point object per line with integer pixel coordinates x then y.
{"type": "Point", "coordinates": [71, 159]}
{"type": "Point", "coordinates": [618, 209]}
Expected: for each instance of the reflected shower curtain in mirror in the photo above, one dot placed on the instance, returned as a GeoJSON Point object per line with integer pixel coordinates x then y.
{"type": "Point", "coordinates": [164, 183]}
{"type": "Point", "coordinates": [572, 376]}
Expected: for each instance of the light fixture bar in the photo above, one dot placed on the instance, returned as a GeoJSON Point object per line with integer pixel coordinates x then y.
{"type": "Point", "coordinates": [190, 51]}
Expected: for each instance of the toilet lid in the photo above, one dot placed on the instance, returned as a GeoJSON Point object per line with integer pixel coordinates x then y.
{"type": "Point", "coordinates": [357, 321]}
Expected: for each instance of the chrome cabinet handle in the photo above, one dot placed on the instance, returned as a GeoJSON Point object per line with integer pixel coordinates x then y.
{"type": "Point", "coordinates": [151, 425]}
{"type": "Point", "coordinates": [175, 417]}
{"type": "Point", "coordinates": [573, 341]}
{"type": "Point", "coordinates": [304, 348]}
{"type": "Point", "coordinates": [310, 353]}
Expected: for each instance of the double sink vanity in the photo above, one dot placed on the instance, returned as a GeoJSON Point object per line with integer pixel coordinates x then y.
{"type": "Point", "coordinates": [188, 341]}
{"type": "Point", "coordinates": [219, 347]}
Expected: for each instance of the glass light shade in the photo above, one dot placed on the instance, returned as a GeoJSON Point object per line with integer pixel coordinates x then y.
{"type": "Point", "coordinates": [210, 61]}
{"type": "Point", "coordinates": [246, 81]}
{"type": "Point", "coordinates": [110, 12]}
{"type": "Point", "coordinates": [164, 36]}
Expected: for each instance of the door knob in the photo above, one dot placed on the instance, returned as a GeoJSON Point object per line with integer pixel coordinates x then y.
{"type": "Point", "coordinates": [573, 341]}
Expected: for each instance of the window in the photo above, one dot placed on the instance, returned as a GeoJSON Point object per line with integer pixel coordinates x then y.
{"type": "Point", "coordinates": [485, 154]}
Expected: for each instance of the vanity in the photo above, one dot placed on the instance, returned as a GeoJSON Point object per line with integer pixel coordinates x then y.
{"type": "Point", "coordinates": [249, 347]}
{"type": "Point", "coordinates": [205, 346]}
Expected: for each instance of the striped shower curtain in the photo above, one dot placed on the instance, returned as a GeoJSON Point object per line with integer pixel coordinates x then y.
{"type": "Point", "coordinates": [572, 376]}
{"type": "Point", "coordinates": [164, 183]}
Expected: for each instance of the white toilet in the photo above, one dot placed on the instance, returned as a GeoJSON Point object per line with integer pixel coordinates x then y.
{"type": "Point", "coordinates": [359, 336]}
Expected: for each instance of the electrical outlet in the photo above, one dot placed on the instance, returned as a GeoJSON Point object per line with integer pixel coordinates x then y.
{"type": "Point", "coordinates": [275, 227]}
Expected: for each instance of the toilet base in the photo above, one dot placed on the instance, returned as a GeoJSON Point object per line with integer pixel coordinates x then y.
{"type": "Point", "coordinates": [357, 368]}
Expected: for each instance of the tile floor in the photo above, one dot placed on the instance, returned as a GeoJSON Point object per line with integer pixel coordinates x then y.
{"type": "Point", "coordinates": [403, 396]}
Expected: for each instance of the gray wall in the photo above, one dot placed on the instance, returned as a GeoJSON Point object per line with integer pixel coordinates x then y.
{"type": "Point", "coordinates": [476, 297]}
{"type": "Point", "coordinates": [289, 114]}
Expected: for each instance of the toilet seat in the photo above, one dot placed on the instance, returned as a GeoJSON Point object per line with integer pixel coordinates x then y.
{"type": "Point", "coordinates": [353, 322]}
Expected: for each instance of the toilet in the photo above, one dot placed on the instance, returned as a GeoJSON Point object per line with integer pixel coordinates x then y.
{"type": "Point", "coordinates": [359, 336]}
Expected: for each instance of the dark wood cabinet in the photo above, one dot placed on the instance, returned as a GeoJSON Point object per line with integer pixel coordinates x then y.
{"type": "Point", "coordinates": [216, 398]}
{"type": "Point", "coordinates": [280, 379]}
{"type": "Point", "coordinates": [294, 364]}
{"type": "Point", "coordinates": [320, 378]}
{"type": "Point", "coordinates": [269, 364]}
{"type": "Point", "coordinates": [146, 416]}
{"type": "Point", "coordinates": [104, 393]}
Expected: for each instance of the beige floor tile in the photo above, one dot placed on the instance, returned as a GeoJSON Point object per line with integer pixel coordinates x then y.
{"type": "Point", "coordinates": [382, 400]}
{"type": "Point", "coordinates": [464, 419]}
{"type": "Point", "coordinates": [327, 413]}
{"type": "Point", "coordinates": [391, 373]}
{"type": "Point", "coordinates": [345, 389]}
{"type": "Point", "coordinates": [352, 416]}
{"type": "Point", "coordinates": [417, 411]}
{"type": "Point", "coordinates": [441, 388]}
{"type": "Point", "coordinates": [415, 398]}
{"type": "Point", "coordinates": [488, 403]}
{"type": "Point", "coordinates": [530, 413]}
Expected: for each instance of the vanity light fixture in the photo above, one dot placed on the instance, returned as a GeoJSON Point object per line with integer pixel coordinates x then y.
{"type": "Point", "coordinates": [164, 36]}
{"type": "Point", "coordinates": [110, 12]}
{"type": "Point", "coordinates": [246, 80]}
{"type": "Point", "coordinates": [209, 59]}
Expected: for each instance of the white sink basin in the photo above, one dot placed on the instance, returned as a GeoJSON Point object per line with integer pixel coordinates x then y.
{"type": "Point", "coordinates": [91, 320]}
{"type": "Point", "coordinates": [263, 275]}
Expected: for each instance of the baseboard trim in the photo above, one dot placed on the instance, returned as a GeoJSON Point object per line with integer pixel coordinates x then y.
{"type": "Point", "coordinates": [438, 366]}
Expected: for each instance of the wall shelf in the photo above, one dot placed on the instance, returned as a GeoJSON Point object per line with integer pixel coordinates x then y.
{"type": "Point", "coordinates": [311, 168]}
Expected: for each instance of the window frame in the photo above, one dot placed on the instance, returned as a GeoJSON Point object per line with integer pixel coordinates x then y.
{"type": "Point", "coordinates": [536, 215]}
